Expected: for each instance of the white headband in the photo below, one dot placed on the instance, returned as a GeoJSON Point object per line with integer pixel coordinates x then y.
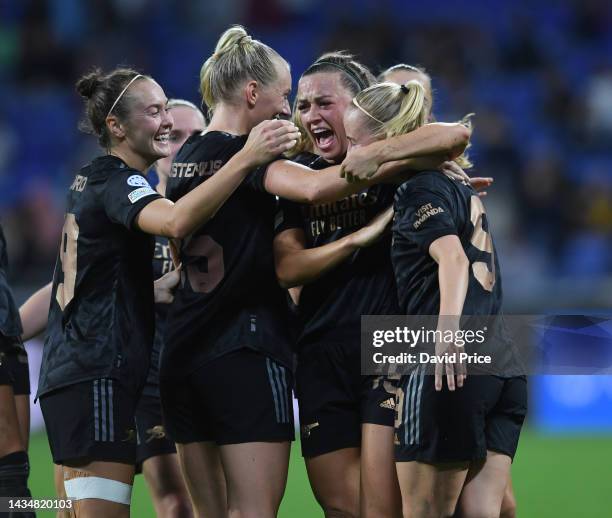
{"type": "Point", "coordinates": [364, 111]}
{"type": "Point", "coordinates": [121, 94]}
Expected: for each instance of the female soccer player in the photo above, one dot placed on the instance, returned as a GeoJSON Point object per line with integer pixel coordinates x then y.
{"type": "Point", "coordinates": [312, 248]}
{"type": "Point", "coordinates": [155, 453]}
{"type": "Point", "coordinates": [458, 441]}
{"type": "Point", "coordinates": [227, 329]}
{"type": "Point", "coordinates": [346, 419]}
{"type": "Point", "coordinates": [100, 329]}
{"type": "Point", "coordinates": [400, 74]}
{"type": "Point", "coordinates": [14, 395]}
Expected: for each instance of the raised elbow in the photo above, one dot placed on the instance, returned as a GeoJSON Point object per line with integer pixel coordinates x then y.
{"type": "Point", "coordinates": [284, 283]}
{"type": "Point", "coordinates": [313, 194]}
{"type": "Point", "coordinates": [464, 134]}
{"type": "Point", "coordinates": [286, 276]}
{"type": "Point", "coordinates": [176, 229]}
{"type": "Point", "coordinates": [460, 139]}
{"type": "Point", "coordinates": [285, 279]}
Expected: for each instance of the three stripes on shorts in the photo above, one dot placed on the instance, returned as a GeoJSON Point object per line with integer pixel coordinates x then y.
{"type": "Point", "coordinates": [280, 390]}
{"type": "Point", "coordinates": [412, 406]}
{"type": "Point", "coordinates": [104, 429]}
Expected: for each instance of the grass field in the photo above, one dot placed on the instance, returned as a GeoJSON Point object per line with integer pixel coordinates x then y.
{"type": "Point", "coordinates": [554, 476]}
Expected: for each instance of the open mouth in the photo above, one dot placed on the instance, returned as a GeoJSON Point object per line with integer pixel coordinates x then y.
{"type": "Point", "coordinates": [324, 138]}
{"type": "Point", "coordinates": [163, 138]}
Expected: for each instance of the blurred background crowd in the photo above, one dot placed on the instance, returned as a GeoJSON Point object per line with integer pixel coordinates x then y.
{"type": "Point", "coordinates": [538, 75]}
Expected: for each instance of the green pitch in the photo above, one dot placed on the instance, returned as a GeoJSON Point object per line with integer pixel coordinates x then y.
{"type": "Point", "coordinates": [554, 477]}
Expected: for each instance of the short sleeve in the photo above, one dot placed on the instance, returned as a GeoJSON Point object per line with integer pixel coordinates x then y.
{"type": "Point", "coordinates": [175, 188]}
{"type": "Point", "coordinates": [288, 215]}
{"type": "Point", "coordinates": [256, 179]}
{"type": "Point", "coordinates": [125, 195]}
{"type": "Point", "coordinates": [424, 216]}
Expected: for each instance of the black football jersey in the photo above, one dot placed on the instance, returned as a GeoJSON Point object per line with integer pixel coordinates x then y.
{"type": "Point", "coordinates": [229, 297]}
{"type": "Point", "coordinates": [430, 206]}
{"type": "Point", "coordinates": [162, 264]}
{"type": "Point", "coordinates": [102, 306]}
{"type": "Point", "coordinates": [332, 305]}
{"type": "Point", "coordinates": [10, 324]}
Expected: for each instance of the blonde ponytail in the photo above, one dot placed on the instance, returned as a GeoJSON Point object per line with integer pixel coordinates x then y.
{"type": "Point", "coordinates": [237, 58]}
{"type": "Point", "coordinates": [398, 109]}
{"type": "Point", "coordinates": [412, 112]}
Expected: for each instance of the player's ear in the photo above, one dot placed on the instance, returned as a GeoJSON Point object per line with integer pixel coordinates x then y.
{"type": "Point", "coordinates": [115, 128]}
{"type": "Point", "coordinates": [251, 92]}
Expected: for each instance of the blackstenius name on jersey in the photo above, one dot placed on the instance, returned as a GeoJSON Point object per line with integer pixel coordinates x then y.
{"type": "Point", "coordinates": [191, 169]}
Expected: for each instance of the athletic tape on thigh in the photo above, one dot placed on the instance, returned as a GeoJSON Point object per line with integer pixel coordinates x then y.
{"type": "Point", "coordinates": [98, 487]}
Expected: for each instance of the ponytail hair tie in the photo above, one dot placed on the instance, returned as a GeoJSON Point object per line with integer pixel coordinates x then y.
{"type": "Point", "coordinates": [404, 89]}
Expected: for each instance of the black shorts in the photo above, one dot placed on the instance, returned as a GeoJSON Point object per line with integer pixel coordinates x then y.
{"type": "Point", "coordinates": [240, 397]}
{"type": "Point", "coordinates": [487, 413]}
{"type": "Point", "coordinates": [335, 399]}
{"type": "Point", "coordinates": [14, 369]}
{"type": "Point", "coordinates": [150, 431]}
{"type": "Point", "coordinates": [92, 420]}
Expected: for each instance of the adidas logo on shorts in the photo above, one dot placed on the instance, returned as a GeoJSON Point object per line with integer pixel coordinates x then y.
{"type": "Point", "coordinates": [306, 429]}
{"type": "Point", "coordinates": [388, 403]}
{"type": "Point", "coordinates": [157, 432]}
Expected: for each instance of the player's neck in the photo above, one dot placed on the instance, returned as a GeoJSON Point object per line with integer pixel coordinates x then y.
{"type": "Point", "coordinates": [161, 185]}
{"type": "Point", "coordinates": [133, 160]}
{"type": "Point", "coordinates": [230, 120]}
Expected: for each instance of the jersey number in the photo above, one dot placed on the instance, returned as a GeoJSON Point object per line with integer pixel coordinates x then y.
{"type": "Point", "coordinates": [481, 240]}
{"type": "Point", "coordinates": [207, 271]}
{"type": "Point", "coordinates": [68, 259]}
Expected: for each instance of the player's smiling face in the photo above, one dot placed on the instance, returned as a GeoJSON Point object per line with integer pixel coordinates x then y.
{"type": "Point", "coordinates": [322, 100]}
{"type": "Point", "coordinates": [356, 126]}
{"type": "Point", "coordinates": [147, 130]}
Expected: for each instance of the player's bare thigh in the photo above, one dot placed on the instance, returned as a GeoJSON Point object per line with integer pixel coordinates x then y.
{"type": "Point", "coordinates": [256, 475]}
{"type": "Point", "coordinates": [200, 464]}
{"type": "Point", "coordinates": [380, 492]}
{"type": "Point", "coordinates": [508, 507]}
{"type": "Point", "coordinates": [165, 480]}
{"type": "Point", "coordinates": [10, 436]}
{"type": "Point", "coordinates": [430, 490]}
{"type": "Point", "coordinates": [335, 480]}
{"type": "Point", "coordinates": [60, 491]}
{"type": "Point", "coordinates": [22, 404]}
{"type": "Point", "coordinates": [485, 486]}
